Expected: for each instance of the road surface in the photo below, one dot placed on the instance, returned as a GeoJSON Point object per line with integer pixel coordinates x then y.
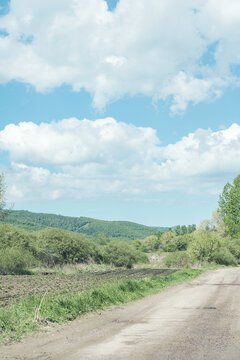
{"type": "Point", "coordinates": [195, 320]}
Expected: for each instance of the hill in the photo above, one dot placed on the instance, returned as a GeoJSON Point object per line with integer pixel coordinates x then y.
{"type": "Point", "coordinates": [91, 227]}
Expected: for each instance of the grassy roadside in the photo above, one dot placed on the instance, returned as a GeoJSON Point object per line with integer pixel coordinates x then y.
{"type": "Point", "coordinates": [33, 312]}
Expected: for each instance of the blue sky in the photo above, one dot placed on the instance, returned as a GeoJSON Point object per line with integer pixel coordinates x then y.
{"type": "Point", "coordinates": [160, 99]}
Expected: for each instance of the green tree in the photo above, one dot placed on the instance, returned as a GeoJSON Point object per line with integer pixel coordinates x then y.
{"type": "Point", "coordinates": [191, 228]}
{"type": "Point", "coordinates": [183, 230]}
{"type": "Point", "coordinates": [229, 205]}
{"type": "Point", "coordinates": [169, 238]}
{"type": "Point", "coordinates": [177, 230]}
{"type": "Point", "coordinates": [204, 246]}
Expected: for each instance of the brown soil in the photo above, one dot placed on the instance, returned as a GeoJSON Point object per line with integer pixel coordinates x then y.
{"type": "Point", "coordinates": [13, 287]}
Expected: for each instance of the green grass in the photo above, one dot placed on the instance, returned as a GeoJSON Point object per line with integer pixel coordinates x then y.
{"type": "Point", "coordinates": [32, 312]}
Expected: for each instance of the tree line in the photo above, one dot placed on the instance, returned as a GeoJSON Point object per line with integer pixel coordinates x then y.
{"type": "Point", "coordinates": [91, 227]}
{"type": "Point", "coordinates": [21, 249]}
{"type": "Point", "coordinates": [214, 241]}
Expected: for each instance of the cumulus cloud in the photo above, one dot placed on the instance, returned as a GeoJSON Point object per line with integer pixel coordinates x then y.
{"type": "Point", "coordinates": [72, 141]}
{"type": "Point", "coordinates": [156, 48]}
{"type": "Point", "coordinates": [82, 159]}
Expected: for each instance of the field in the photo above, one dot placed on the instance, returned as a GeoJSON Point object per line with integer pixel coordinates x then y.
{"type": "Point", "coordinates": [30, 302]}
{"type": "Point", "coordinates": [14, 287]}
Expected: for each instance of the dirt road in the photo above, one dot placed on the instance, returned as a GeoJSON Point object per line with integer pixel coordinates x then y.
{"type": "Point", "coordinates": [196, 320]}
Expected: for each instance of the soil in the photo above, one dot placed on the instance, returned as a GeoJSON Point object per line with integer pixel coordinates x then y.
{"type": "Point", "coordinates": [192, 321]}
{"type": "Point", "coordinates": [14, 287]}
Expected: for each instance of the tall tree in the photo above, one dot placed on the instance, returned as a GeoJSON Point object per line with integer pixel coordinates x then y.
{"type": "Point", "coordinates": [229, 205]}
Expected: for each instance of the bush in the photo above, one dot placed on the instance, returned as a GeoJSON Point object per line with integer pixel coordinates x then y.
{"type": "Point", "coordinates": [150, 243]}
{"type": "Point", "coordinates": [174, 243]}
{"type": "Point", "coordinates": [177, 259]}
{"type": "Point", "coordinates": [225, 257]}
{"type": "Point", "coordinates": [204, 246]}
{"type": "Point", "coordinates": [119, 253]}
{"type": "Point", "coordinates": [182, 242]}
{"type": "Point", "coordinates": [141, 258]}
{"type": "Point", "coordinates": [57, 246]}
{"type": "Point", "coordinates": [170, 247]}
{"type": "Point", "coordinates": [234, 247]}
{"type": "Point", "coordinates": [167, 238]}
{"type": "Point", "coordinates": [12, 236]}
{"type": "Point", "coordinates": [15, 261]}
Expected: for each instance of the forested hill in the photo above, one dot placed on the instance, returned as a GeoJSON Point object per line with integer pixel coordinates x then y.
{"type": "Point", "coordinates": [91, 227]}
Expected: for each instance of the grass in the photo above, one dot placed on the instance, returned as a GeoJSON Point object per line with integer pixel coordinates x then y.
{"type": "Point", "coordinates": [15, 287]}
{"type": "Point", "coordinates": [32, 312]}
{"type": "Point", "coordinates": [72, 269]}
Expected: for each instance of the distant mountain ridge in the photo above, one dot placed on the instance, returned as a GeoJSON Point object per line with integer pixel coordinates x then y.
{"type": "Point", "coordinates": [88, 226]}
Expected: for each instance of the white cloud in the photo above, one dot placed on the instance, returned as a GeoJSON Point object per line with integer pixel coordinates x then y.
{"type": "Point", "coordinates": [205, 153]}
{"type": "Point", "coordinates": [185, 89]}
{"type": "Point", "coordinates": [81, 158]}
{"type": "Point", "coordinates": [71, 141]}
{"type": "Point", "coordinates": [149, 47]}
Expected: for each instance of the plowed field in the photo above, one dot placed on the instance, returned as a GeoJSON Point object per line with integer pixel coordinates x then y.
{"type": "Point", "coordinates": [13, 287]}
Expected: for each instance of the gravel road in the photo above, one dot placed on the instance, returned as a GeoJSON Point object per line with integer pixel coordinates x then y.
{"type": "Point", "coordinates": [196, 320]}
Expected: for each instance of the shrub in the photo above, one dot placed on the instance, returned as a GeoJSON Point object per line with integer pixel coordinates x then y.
{"type": "Point", "coordinates": [174, 243]}
{"type": "Point", "coordinates": [119, 253]}
{"type": "Point", "coordinates": [182, 242]}
{"type": "Point", "coordinates": [234, 247]}
{"type": "Point", "coordinates": [168, 237]}
{"type": "Point", "coordinates": [12, 236]}
{"type": "Point", "coordinates": [57, 246]}
{"type": "Point", "coordinates": [15, 261]}
{"type": "Point", "coordinates": [224, 256]}
{"type": "Point", "coordinates": [177, 259]}
{"type": "Point", "coordinates": [170, 247]}
{"type": "Point", "coordinates": [204, 246]}
{"type": "Point", "coordinates": [101, 238]}
{"type": "Point", "coordinates": [152, 242]}
{"type": "Point", "coordinates": [141, 258]}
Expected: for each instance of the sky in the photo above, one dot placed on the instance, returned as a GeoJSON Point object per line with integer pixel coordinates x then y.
{"type": "Point", "coordinates": [120, 110]}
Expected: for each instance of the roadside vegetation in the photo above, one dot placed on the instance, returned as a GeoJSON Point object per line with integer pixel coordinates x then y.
{"type": "Point", "coordinates": [33, 312]}
{"type": "Point", "coordinates": [215, 241]}
{"type": "Point", "coordinates": [54, 275]}
{"type": "Point", "coordinates": [14, 288]}
{"type": "Point", "coordinates": [21, 251]}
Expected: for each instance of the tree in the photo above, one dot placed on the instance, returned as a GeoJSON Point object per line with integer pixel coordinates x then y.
{"type": "Point", "coordinates": [177, 230]}
{"type": "Point", "coordinates": [191, 228]}
{"type": "Point", "coordinates": [229, 207]}
{"type": "Point", "coordinates": [3, 210]}
{"type": "Point", "coordinates": [182, 230]}
{"type": "Point", "coordinates": [204, 246]}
